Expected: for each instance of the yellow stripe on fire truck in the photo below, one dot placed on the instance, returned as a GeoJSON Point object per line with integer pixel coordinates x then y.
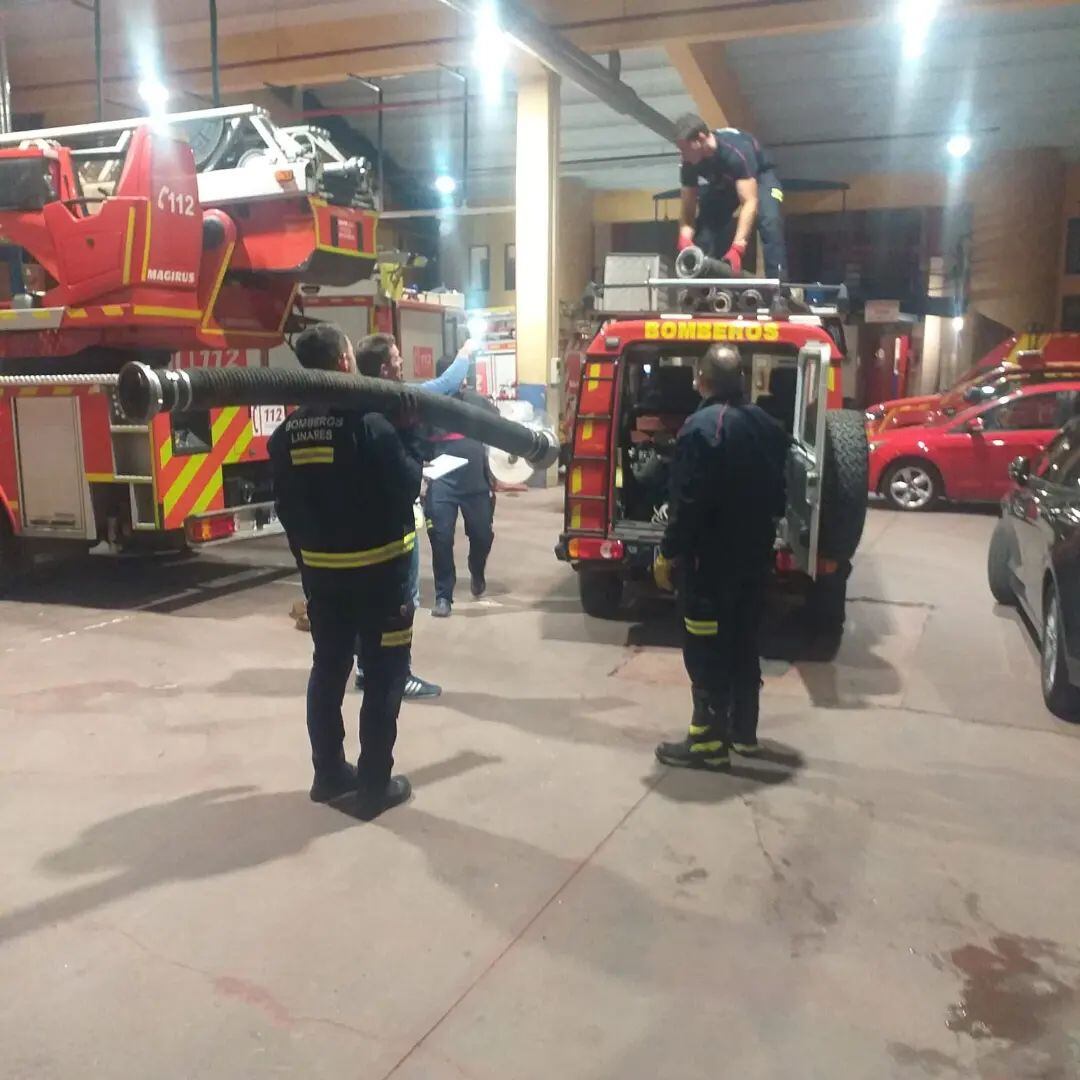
{"type": "Point", "coordinates": [183, 481]}
{"type": "Point", "coordinates": [211, 490]}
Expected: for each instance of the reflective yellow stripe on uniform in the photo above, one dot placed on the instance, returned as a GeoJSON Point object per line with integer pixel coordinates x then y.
{"type": "Point", "coordinates": [699, 729]}
{"type": "Point", "coordinates": [313, 455]}
{"type": "Point", "coordinates": [394, 639]}
{"type": "Point", "coordinates": [351, 560]}
{"type": "Point", "coordinates": [707, 747]}
{"type": "Point", "coordinates": [702, 627]}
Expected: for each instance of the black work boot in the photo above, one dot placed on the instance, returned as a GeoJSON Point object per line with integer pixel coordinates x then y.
{"type": "Point", "coordinates": [371, 800]}
{"type": "Point", "coordinates": [706, 744]}
{"type": "Point", "coordinates": [478, 585]}
{"type": "Point", "coordinates": [333, 781]}
{"type": "Point", "coordinates": [744, 718]}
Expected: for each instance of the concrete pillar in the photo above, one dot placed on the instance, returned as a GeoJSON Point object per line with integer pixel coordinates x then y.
{"type": "Point", "coordinates": [1016, 229]}
{"type": "Point", "coordinates": [535, 232]}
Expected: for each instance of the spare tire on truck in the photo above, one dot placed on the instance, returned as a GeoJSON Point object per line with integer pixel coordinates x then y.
{"type": "Point", "coordinates": [844, 482]}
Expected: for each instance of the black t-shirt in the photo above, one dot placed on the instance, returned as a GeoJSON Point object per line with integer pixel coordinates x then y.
{"type": "Point", "coordinates": [739, 156]}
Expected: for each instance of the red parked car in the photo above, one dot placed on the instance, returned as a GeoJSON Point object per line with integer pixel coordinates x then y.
{"type": "Point", "coordinates": [966, 457]}
{"type": "Point", "coordinates": [1023, 359]}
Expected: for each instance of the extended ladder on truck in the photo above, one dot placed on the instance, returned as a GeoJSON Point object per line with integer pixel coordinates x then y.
{"type": "Point", "coordinates": [153, 238]}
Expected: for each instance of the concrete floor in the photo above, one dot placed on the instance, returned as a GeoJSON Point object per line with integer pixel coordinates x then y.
{"type": "Point", "coordinates": [897, 900]}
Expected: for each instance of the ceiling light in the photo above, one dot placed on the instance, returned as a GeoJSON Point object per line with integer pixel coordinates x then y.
{"type": "Point", "coordinates": [915, 17]}
{"type": "Point", "coordinates": [491, 49]}
{"type": "Point", "coordinates": [155, 94]}
{"type": "Point", "coordinates": [958, 323]}
{"type": "Point", "coordinates": [959, 145]}
{"type": "Point", "coordinates": [445, 184]}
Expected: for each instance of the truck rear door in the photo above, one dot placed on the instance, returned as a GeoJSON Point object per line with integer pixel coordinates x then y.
{"type": "Point", "coordinates": [802, 523]}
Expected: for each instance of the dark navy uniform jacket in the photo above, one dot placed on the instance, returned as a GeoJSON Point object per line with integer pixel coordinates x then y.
{"type": "Point", "coordinates": [345, 485]}
{"type": "Point", "coordinates": [727, 490]}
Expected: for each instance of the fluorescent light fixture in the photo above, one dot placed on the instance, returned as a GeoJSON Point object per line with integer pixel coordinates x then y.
{"type": "Point", "coordinates": [958, 323]}
{"type": "Point", "coordinates": [959, 145]}
{"type": "Point", "coordinates": [491, 49]}
{"type": "Point", "coordinates": [915, 18]}
{"type": "Point", "coordinates": [155, 94]}
{"type": "Point", "coordinates": [445, 184]}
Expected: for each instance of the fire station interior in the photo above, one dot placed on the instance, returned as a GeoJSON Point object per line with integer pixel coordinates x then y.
{"type": "Point", "coordinates": [598, 874]}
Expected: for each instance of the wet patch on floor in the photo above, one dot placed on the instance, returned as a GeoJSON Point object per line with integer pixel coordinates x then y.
{"type": "Point", "coordinates": [1021, 1000]}
{"type": "Point", "coordinates": [1010, 990]}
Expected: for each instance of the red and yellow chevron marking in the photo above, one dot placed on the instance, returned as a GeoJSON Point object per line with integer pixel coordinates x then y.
{"type": "Point", "coordinates": [192, 484]}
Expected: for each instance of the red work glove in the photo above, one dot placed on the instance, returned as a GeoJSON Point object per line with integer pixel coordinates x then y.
{"type": "Point", "coordinates": [686, 239]}
{"type": "Point", "coordinates": [734, 256]}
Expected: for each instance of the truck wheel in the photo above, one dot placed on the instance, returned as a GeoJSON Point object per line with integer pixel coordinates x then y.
{"type": "Point", "coordinates": [601, 593]}
{"type": "Point", "coordinates": [11, 556]}
{"type": "Point", "coordinates": [843, 484]}
{"type": "Point", "coordinates": [826, 612]}
{"type": "Point", "coordinates": [997, 566]}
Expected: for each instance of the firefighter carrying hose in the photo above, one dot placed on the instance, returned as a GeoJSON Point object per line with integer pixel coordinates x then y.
{"type": "Point", "coordinates": [740, 188]}
{"type": "Point", "coordinates": [345, 487]}
{"type": "Point", "coordinates": [727, 493]}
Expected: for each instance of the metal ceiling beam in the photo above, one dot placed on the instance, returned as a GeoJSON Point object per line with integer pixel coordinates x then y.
{"type": "Point", "coordinates": [567, 60]}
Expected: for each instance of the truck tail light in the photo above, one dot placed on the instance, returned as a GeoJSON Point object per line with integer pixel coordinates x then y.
{"type": "Point", "coordinates": [220, 527]}
{"type": "Point", "coordinates": [785, 562]}
{"type": "Point", "coordinates": [592, 548]}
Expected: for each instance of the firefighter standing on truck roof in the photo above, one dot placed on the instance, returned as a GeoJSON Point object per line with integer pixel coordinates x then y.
{"type": "Point", "coordinates": [739, 178]}
{"type": "Point", "coordinates": [345, 487]}
{"type": "Point", "coordinates": [727, 493]}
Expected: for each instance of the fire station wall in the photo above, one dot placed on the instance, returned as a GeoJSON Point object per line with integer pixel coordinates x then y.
{"type": "Point", "coordinates": [574, 248]}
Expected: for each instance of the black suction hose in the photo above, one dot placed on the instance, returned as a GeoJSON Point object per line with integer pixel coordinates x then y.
{"type": "Point", "coordinates": [692, 262]}
{"type": "Point", "coordinates": [144, 392]}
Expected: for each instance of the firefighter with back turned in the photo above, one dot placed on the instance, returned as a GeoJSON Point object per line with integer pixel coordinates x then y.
{"type": "Point", "coordinates": [345, 487]}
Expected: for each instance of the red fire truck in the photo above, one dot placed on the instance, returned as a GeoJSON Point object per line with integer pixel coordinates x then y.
{"type": "Point", "coordinates": [180, 239]}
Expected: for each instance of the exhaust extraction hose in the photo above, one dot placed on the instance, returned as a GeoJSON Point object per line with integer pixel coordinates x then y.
{"type": "Point", "coordinates": [143, 392]}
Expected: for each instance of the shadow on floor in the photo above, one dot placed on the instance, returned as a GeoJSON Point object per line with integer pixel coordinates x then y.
{"type": "Point", "coordinates": [573, 719]}
{"type": "Point", "coordinates": [201, 835]}
{"type": "Point", "coordinates": [777, 764]}
{"type": "Point", "coordinates": [161, 584]}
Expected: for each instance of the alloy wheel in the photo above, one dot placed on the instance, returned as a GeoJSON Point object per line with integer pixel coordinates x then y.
{"type": "Point", "coordinates": [911, 487]}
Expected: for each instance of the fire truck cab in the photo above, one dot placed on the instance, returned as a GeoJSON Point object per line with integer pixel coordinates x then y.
{"type": "Point", "coordinates": [636, 390]}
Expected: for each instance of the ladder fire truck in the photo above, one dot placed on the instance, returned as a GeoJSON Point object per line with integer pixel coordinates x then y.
{"type": "Point", "coordinates": [176, 239]}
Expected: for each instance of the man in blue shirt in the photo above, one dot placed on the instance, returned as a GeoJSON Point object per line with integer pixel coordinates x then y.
{"type": "Point", "coordinates": [378, 357]}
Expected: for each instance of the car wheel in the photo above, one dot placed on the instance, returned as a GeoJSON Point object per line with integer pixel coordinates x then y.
{"type": "Point", "coordinates": [601, 593]}
{"type": "Point", "coordinates": [997, 566]}
{"type": "Point", "coordinates": [1061, 697]}
{"type": "Point", "coordinates": [912, 485]}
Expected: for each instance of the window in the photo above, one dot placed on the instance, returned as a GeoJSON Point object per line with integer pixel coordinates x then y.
{"type": "Point", "coordinates": [1059, 463]}
{"type": "Point", "coordinates": [1031, 413]}
{"type": "Point", "coordinates": [1070, 313]}
{"type": "Point", "coordinates": [510, 268]}
{"type": "Point", "coordinates": [479, 268]}
{"type": "Point", "coordinates": [1072, 246]}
